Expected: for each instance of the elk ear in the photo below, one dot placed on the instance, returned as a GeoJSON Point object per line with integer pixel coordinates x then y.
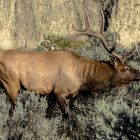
{"type": "Point", "coordinates": [114, 61]}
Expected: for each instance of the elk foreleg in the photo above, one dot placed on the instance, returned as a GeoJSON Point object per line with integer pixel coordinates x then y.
{"type": "Point", "coordinates": [12, 91]}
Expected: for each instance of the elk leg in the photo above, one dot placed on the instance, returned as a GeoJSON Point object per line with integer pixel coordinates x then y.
{"type": "Point", "coordinates": [12, 91]}
{"type": "Point", "coordinates": [12, 109]}
{"type": "Point", "coordinates": [64, 106]}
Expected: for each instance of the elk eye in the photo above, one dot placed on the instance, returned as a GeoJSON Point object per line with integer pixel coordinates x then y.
{"type": "Point", "coordinates": [127, 68]}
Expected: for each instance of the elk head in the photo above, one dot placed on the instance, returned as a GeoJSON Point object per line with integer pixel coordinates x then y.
{"type": "Point", "coordinates": [124, 74]}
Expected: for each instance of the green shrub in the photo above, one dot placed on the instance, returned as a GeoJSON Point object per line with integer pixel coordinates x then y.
{"type": "Point", "coordinates": [109, 115]}
{"type": "Point", "coordinates": [64, 42]}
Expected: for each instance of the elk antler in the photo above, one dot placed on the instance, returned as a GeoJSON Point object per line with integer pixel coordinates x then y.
{"type": "Point", "coordinates": [89, 32]}
{"type": "Point", "coordinates": [129, 55]}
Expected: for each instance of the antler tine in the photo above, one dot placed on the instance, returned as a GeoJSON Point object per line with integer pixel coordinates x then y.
{"type": "Point", "coordinates": [129, 54]}
{"type": "Point", "coordinates": [102, 22]}
{"type": "Point", "coordinates": [79, 30]}
{"type": "Point", "coordinates": [87, 25]}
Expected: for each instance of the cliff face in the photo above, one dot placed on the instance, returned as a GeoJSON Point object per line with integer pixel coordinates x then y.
{"type": "Point", "coordinates": [27, 22]}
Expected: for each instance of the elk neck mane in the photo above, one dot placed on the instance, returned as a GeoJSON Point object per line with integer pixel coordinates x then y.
{"type": "Point", "coordinates": [98, 75]}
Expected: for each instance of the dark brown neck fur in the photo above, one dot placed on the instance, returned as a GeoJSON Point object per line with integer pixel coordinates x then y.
{"type": "Point", "coordinates": [98, 75]}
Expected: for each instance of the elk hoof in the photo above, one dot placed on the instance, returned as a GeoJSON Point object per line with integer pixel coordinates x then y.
{"type": "Point", "coordinates": [66, 116]}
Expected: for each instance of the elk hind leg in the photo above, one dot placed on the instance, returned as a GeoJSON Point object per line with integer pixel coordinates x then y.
{"type": "Point", "coordinates": [64, 105]}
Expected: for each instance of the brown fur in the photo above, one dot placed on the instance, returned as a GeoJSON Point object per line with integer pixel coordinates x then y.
{"type": "Point", "coordinates": [63, 72]}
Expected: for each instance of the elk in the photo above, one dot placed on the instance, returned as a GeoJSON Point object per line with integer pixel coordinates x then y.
{"type": "Point", "coordinates": [64, 73]}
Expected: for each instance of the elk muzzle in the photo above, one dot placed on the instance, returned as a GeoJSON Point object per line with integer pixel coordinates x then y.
{"type": "Point", "coordinates": [137, 76]}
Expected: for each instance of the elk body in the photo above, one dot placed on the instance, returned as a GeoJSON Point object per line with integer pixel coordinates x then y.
{"type": "Point", "coordinates": [64, 72]}
{"type": "Point", "coordinates": [61, 72]}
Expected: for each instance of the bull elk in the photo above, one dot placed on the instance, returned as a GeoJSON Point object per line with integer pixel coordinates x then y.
{"type": "Point", "coordinates": [64, 72]}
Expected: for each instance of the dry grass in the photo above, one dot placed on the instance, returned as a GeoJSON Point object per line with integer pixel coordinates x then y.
{"type": "Point", "coordinates": [126, 22]}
